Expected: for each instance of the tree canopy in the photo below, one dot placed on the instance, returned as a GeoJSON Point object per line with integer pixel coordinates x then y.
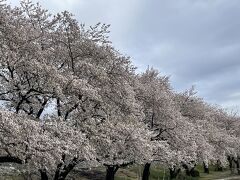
{"type": "Point", "coordinates": [68, 96]}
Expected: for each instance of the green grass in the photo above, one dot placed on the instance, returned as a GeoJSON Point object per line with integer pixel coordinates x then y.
{"type": "Point", "coordinates": [132, 173]}
{"type": "Point", "coordinates": [158, 173]}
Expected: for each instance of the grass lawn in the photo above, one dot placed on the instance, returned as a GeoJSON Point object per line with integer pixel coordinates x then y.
{"type": "Point", "coordinates": [158, 173]}
{"type": "Point", "coordinates": [133, 173]}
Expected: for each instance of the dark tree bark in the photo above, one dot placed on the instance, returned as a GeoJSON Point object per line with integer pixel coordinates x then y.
{"type": "Point", "coordinates": [43, 174]}
{"type": "Point", "coordinates": [146, 171]}
{"type": "Point", "coordinates": [237, 162]}
{"type": "Point", "coordinates": [174, 172]}
{"type": "Point", "coordinates": [111, 171]}
{"type": "Point", "coordinates": [59, 107]}
{"type": "Point", "coordinates": [229, 158]}
{"type": "Point", "coordinates": [191, 171]}
{"type": "Point", "coordinates": [230, 161]}
{"type": "Point", "coordinates": [6, 159]}
{"type": "Point", "coordinates": [219, 166]}
{"type": "Point", "coordinates": [186, 169]}
{"type": "Point", "coordinates": [61, 174]}
{"type": "Point", "coordinates": [238, 165]}
{"type": "Point", "coordinates": [42, 108]}
{"type": "Point", "coordinates": [57, 173]}
{"type": "Point", "coordinates": [206, 168]}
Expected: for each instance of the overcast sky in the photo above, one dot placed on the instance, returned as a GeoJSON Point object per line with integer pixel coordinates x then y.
{"type": "Point", "coordinates": [196, 42]}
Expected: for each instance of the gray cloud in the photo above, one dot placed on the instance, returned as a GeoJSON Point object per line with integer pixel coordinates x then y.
{"type": "Point", "coordinates": [194, 41]}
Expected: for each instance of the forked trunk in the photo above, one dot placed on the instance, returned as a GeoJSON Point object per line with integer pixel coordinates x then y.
{"type": "Point", "coordinates": [62, 172]}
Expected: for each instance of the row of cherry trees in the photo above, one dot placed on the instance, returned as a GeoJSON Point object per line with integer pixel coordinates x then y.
{"type": "Point", "coordinates": [69, 97]}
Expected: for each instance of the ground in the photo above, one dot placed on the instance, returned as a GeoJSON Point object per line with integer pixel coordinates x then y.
{"type": "Point", "coordinates": [13, 172]}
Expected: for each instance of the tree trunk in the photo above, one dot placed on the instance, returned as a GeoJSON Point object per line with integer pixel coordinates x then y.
{"type": "Point", "coordinates": [205, 167]}
{"type": "Point", "coordinates": [62, 174]}
{"type": "Point", "coordinates": [174, 172]}
{"type": "Point", "coordinates": [146, 171]}
{"type": "Point", "coordinates": [237, 165]}
{"type": "Point", "coordinates": [230, 161]}
{"type": "Point", "coordinates": [219, 166]}
{"type": "Point", "coordinates": [57, 172]}
{"type": "Point", "coordinates": [191, 171]}
{"type": "Point", "coordinates": [111, 171]}
{"type": "Point", "coordinates": [186, 169]}
{"type": "Point", "coordinates": [43, 173]}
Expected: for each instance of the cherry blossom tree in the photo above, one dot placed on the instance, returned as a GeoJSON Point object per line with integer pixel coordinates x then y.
{"type": "Point", "coordinates": [52, 61]}
{"type": "Point", "coordinates": [68, 96]}
{"type": "Point", "coordinates": [213, 141]}
{"type": "Point", "coordinates": [45, 146]}
{"type": "Point", "coordinates": [119, 144]}
{"type": "Point", "coordinates": [163, 117]}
